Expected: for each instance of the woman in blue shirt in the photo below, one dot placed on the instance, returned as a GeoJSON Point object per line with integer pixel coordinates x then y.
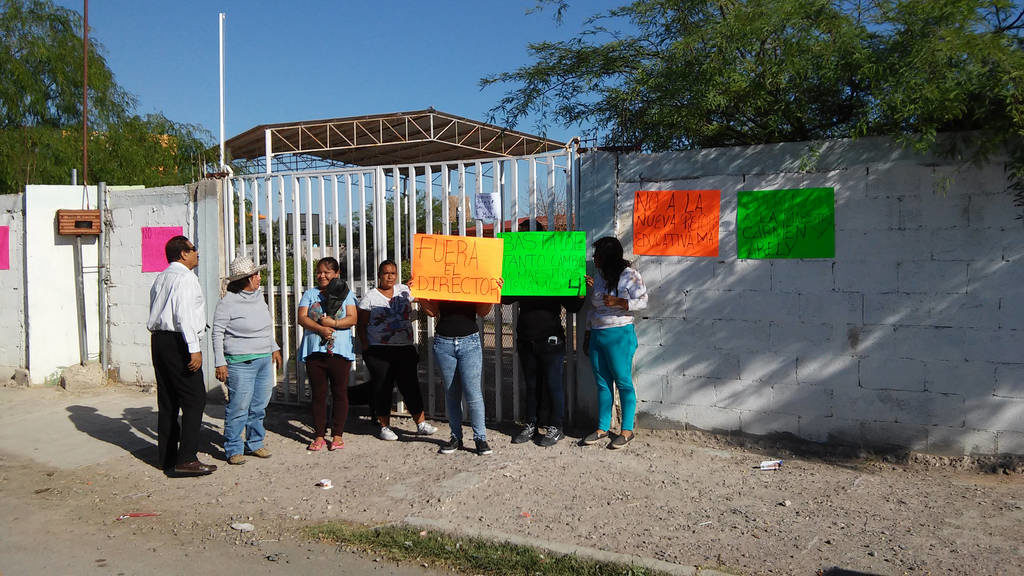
{"type": "Point", "coordinates": [326, 348]}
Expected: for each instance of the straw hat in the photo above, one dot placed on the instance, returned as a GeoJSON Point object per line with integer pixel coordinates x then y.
{"type": "Point", "coordinates": [242, 267]}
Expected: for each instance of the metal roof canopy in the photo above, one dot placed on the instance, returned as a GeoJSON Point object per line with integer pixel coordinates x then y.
{"type": "Point", "coordinates": [422, 136]}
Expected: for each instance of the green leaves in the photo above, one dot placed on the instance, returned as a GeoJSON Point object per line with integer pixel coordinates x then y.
{"type": "Point", "coordinates": [41, 110]}
{"type": "Point", "coordinates": [41, 64]}
{"type": "Point", "coordinates": [700, 73]}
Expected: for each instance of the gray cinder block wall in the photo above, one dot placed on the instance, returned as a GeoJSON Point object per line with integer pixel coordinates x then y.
{"type": "Point", "coordinates": [12, 286]}
{"type": "Point", "coordinates": [128, 293]}
{"type": "Point", "coordinates": [912, 336]}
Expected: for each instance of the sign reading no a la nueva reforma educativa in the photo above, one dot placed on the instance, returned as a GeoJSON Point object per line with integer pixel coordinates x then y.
{"type": "Point", "coordinates": [544, 263]}
{"type": "Point", "coordinates": [798, 223]}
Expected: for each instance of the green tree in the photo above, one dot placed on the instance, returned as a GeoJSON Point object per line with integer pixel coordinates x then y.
{"type": "Point", "coordinates": [677, 74]}
{"type": "Point", "coordinates": [41, 110]}
{"type": "Point", "coordinates": [41, 64]}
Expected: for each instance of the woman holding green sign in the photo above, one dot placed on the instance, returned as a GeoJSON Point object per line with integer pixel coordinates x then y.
{"type": "Point", "coordinates": [616, 292]}
{"type": "Point", "coordinates": [540, 345]}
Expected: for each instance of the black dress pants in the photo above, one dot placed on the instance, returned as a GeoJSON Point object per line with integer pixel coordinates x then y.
{"type": "Point", "coordinates": [177, 389]}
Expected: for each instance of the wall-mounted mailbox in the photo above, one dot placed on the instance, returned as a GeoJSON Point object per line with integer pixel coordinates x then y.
{"type": "Point", "coordinates": [78, 222]}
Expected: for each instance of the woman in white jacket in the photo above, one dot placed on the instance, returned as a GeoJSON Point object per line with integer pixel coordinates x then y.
{"type": "Point", "coordinates": [616, 292]}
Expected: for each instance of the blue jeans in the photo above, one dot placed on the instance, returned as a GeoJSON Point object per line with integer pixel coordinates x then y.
{"type": "Point", "coordinates": [611, 357]}
{"type": "Point", "coordinates": [464, 358]}
{"type": "Point", "coordinates": [249, 387]}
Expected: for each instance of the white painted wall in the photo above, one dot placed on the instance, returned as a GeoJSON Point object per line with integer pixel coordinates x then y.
{"type": "Point", "coordinates": [12, 288]}
{"type": "Point", "coordinates": [53, 319]}
{"type": "Point", "coordinates": [128, 295]}
{"type": "Point", "coordinates": [913, 335]}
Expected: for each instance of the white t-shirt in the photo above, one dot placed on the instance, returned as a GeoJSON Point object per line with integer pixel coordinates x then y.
{"type": "Point", "coordinates": [389, 323]}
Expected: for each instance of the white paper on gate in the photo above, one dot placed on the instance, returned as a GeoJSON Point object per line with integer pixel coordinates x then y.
{"type": "Point", "coordinates": [486, 206]}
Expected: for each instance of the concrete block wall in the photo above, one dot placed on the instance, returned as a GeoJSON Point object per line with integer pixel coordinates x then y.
{"type": "Point", "coordinates": [12, 286]}
{"type": "Point", "coordinates": [128, 292]}
{"type": "Point", "coordinates": [51, 298]}
{"type": "Point", "coordinates": [913, 335]}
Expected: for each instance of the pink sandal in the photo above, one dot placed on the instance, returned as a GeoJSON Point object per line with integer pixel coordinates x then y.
{"type": "Point", "coordinates": [336, 444]}
{"type": "Point", "coordinates": [317, 445]}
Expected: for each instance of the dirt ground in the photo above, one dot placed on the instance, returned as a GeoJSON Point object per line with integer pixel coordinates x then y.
{"type": "Point", "coordinates": [72, 462]}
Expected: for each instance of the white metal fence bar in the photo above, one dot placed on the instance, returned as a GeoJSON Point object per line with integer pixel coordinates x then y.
{"type": "Point", "coordinates": [300, 373]}
{"type": "Point", "coordinates": [282, 233]}
{"type": "Point", "coordinates": [254, 218]}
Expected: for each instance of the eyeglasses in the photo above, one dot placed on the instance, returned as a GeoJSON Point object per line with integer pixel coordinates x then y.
{"type": "Point", "coordinates": [192, 249]}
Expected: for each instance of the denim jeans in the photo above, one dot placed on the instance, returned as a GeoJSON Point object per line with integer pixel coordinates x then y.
{"type": "Point", "coordinates": [460, 360]}
{"type": "Point", "coordinates": [249, 387]}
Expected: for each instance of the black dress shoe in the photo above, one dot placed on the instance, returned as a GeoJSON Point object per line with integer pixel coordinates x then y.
{"type": "Point", "coordinates": [194, 468]}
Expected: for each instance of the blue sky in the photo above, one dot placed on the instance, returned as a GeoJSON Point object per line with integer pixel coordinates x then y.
{"type": "Point", "coordinates": [289, 61]}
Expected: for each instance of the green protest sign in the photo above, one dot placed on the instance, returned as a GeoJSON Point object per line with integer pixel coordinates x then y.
{"type": "Point", "coordinates": [798, 223]}
{"type": "Point", "coordinates": [544, 263]}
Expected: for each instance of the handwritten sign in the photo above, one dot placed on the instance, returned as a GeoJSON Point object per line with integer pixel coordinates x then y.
{"type": "Point", "coordinates": [676, 222]}
{"type": "Point", "coordinates": [544, 263]}
{"type": "Point", "coordinates": [487, 206]}
{"type": "Point", "coordinates": [798, 223]}
{"type": "Point", "coordinates": [154, 240]}
{"type": "Point", "coordinates": [5, 247]}
{"type": "Point", "coordinates": [461, 268]}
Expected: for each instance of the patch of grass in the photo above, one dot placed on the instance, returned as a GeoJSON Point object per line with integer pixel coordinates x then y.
{"type": "Point", "coordinates": [474, 555]}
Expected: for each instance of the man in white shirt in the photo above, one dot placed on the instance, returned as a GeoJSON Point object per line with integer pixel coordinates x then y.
{"type": "Point", "coordinates": [177, 320]}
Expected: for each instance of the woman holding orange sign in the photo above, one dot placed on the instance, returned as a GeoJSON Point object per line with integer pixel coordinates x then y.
{"type": "Point", "coordinates": [459, 355]}
{"type": "Point", "coordinates": [440, 265]}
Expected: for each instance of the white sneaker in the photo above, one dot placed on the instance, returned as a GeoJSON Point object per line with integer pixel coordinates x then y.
{"type": "Point", "coordinates": [425, 428]}
{"type": "Point", "coordinates": [386, 433]}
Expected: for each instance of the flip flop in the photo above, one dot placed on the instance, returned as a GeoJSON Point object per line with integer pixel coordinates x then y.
{"type": "Point", "coordinates": [317, 445]}
{"type": "Point", "coordinates": [336, 445]}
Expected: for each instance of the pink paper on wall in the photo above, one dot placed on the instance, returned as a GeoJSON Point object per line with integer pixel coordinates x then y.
{"type": "Point", "coordinates": [154, 239]}
{"type": "Point", "coordinates": [5, 247]}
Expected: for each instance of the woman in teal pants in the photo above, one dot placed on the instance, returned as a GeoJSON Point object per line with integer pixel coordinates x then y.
{"type": "Point", "coordinates": [615, 293]}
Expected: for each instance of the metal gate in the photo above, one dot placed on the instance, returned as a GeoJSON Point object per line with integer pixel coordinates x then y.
{"type": "Point", "coordinates": [364, 215]}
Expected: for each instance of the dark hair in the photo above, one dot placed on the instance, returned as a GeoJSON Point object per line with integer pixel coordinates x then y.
{"type": "Point", "coordinates": [175, 247]}
{"type": "Point", "coordinates": [387, 262]}
{"type": "Point", "coordinates": [236, 286]}
{"type": "Point", "coordinates": [331, 263]}
{"type": "Point", "coordinates": [609, 251]}
{"type": "Point", "coordinates": [524, 226]}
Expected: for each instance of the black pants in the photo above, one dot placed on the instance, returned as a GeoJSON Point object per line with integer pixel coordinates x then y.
{"type": "Point", "coordinates": [177, 389]}
{"type": "Point", "coordinates": [542, 373]}
{"type": "Point", "coordinates": [389, 365]}
{"type": "Point", "coordinates": [328, 371]}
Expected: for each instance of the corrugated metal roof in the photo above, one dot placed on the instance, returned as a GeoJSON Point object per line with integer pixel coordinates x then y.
{"type": "Point", "coordinates": [399, 138]}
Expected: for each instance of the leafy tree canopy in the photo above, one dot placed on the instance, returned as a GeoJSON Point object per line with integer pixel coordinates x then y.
{"type": "Point", "coordinates": [41, 110]}
{"type": "Point", "coordinates": [697, 73]}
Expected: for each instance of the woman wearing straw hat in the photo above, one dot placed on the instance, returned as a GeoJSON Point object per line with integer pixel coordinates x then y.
{"type": "Point", "coordinates": [245, 354]}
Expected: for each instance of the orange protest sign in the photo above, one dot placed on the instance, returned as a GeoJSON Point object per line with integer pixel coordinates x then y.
{"type": "Point", "coordinates": [462, 268]}
{"type": "Point", "coordinates": [676, 222]}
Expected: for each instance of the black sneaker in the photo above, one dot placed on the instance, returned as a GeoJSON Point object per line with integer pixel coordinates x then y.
{"type": "Point", "coordinates": [525, 435]}
{"type": "Point", "coordinates": [553, 435]}
{"type": "Point", "coordinates": [452, 445]}
{"type": "Point", "coordinates": [482, 448]}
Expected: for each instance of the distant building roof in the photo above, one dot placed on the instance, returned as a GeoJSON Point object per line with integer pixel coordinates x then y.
{"type": "Point", "coordinates": [421, 136]}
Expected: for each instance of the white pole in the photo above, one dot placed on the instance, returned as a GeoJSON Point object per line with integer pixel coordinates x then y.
{"type": "Point", "coordinates": [221, 17]}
